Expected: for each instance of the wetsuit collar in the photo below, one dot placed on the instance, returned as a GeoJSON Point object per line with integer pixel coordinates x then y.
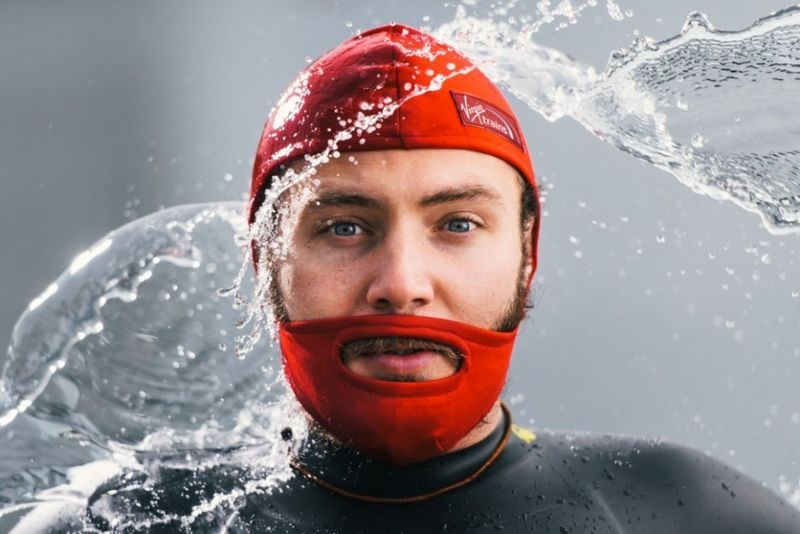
{"type": "Point", "coordinates": [346, 471]}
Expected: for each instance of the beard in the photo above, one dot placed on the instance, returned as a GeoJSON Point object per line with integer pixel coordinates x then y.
{"type": "Point", "coordinates": [518, 308]}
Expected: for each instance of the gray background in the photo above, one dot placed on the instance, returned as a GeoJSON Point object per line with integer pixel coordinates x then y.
{"type": "Point", "coordinates": [111, 110]}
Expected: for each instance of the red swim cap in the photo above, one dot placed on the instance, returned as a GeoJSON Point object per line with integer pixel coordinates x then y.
{"type": "Point", "coordinates": [378, 68]}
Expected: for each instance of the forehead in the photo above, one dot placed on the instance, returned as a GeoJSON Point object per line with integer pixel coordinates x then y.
{"type": "Point", "coordinates": [395, 174]}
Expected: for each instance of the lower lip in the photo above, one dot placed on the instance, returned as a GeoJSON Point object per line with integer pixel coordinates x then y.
{"type": "Point", "coordinates": [404, 364]}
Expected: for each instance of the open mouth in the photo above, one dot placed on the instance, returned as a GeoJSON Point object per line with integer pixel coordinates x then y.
{"type": "Point", "coordinates": [401, 359]}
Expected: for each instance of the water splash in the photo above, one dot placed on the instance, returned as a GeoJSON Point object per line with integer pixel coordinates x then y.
{"type": "Point", "coordinates": [790, 490]}
{"type": "Point", "coordinates": [716, 109]}
{"type": "Point", "coordinates": [121, 370]}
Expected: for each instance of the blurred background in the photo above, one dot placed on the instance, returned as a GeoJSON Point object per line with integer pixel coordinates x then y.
{"type": "Point", "coordinates": [659, 312]}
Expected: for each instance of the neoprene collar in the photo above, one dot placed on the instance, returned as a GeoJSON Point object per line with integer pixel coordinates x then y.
{"type": "Point", "coordinates": [346, 471]}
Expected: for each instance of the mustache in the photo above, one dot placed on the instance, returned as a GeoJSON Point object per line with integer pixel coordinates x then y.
{"type": "Point", "coordinates": [397, 345]}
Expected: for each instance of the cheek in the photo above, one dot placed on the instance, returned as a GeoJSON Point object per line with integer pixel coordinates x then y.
{"type": "Point", "coordinates": [482, 285]}
{"type": "Point", "coordinates": [313, 289]}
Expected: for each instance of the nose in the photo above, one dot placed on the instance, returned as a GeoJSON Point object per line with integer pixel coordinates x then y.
{"type": "Point", "coordinates": [401, 281]}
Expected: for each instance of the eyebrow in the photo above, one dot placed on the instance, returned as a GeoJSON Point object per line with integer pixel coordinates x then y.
{"type": "Point", "coordinates": [461, 193]}
{"type": "Point", "coordinates": [477, 193]}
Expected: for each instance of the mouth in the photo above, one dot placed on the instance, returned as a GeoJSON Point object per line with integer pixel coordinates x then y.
{"type": "Point", "coordinates": [401, 359]}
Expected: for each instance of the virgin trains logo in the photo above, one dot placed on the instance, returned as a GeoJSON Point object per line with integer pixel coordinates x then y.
{"type": "Point", "coordinates": [476, 112]}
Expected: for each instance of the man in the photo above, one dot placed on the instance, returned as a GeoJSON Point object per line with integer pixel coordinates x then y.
{"type": "Point", "coordinates": [412, 243]}
{"type": "Point", "coordinates": [398, 301]}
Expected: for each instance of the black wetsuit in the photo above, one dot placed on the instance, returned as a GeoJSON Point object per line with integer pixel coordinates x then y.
{"type": "Point", "coordinates": [556, 482]}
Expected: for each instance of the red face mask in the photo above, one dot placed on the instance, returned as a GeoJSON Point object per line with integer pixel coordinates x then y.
{"type": "Point", "coordinates": [397, 422]}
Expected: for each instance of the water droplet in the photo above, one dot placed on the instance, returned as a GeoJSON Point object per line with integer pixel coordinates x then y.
{"type": "Point", "coordinates": [614, 10]}
{"type": "Point", "coordinates": [349, 24]}
{"type": "Point", "coordinates": [698, 141]}
{"type": "Point", "coordinates": [696, 20]}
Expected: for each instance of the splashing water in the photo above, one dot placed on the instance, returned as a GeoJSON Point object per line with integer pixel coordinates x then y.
{"type": "Point", "coordinates": [123, 367]}
{"type": "Point", "coordinates": [660, 101]}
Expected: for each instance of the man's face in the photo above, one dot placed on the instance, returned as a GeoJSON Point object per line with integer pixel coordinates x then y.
{"type": "Point", "coordinates": [430, 232]}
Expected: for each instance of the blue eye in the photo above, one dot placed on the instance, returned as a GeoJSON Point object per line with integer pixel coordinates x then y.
{"type": "Point", "coordinates": [460, 225]}
{"type": "Point", "coordinates": [345, 229]}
